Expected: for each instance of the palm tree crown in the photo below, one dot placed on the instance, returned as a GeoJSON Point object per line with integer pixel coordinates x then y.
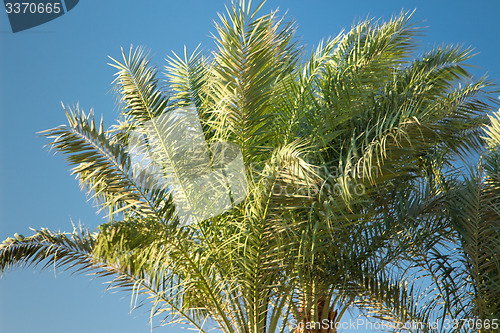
{"type": "Point", "coordinates": [353, 192]}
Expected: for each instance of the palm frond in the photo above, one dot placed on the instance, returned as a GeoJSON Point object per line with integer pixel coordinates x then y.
{"type": "Point", "coordinates": [48, 248]}
{"type": "Point", "coordinates": [253, 55]}
{"type": "Point", "coordinates": [104, 168]}
{"type": "Point", "coordinates": [138, 86]}
{"type": "Point", "coordinates": [187, 77]}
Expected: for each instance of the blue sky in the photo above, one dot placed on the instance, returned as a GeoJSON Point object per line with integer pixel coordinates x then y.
{"type": "Point", "coordinates": [66, 60]}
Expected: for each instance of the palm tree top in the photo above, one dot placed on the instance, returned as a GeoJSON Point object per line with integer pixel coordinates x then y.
{"type": "Point", "coordinates": [347, 156]}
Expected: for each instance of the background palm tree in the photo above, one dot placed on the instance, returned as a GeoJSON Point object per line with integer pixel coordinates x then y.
{"type": "Point", "coordinates": [349, 160]}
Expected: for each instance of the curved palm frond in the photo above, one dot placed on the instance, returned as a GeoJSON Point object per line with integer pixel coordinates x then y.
{"type": "Point", "coordinates": [104, 168]}
{"type": "Point", "coordinates": [138, 86]}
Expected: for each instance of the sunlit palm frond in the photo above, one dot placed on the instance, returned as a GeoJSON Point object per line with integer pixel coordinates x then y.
{"type": "Point", "coordinates": [187, 77]}
{"type": "Point", "coordinates": [104, 168]}
{"type": "Point", "coordinates": [253, 54]}
{"type": "Point", "coordinates": [48, 248]}
{"type": "Point", "coordinates": [413, 115]}
{"type": "Point", "coordinates": [140, 92]}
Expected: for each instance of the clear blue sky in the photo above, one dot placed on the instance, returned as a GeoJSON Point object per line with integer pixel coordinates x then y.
{"type": "Point", "coordinates": [66, 60]}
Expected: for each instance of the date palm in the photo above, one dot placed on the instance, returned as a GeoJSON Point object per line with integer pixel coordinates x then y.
{"type": "Point", "coordinates": [466, 267]}
{"type": "Point", "coordinates": [344, 152]}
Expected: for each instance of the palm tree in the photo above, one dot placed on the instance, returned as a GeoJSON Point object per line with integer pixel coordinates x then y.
{"type": "Point", "coordinates": [343, 153]}
{"type": "Point", "coordinates": [465, 266]}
